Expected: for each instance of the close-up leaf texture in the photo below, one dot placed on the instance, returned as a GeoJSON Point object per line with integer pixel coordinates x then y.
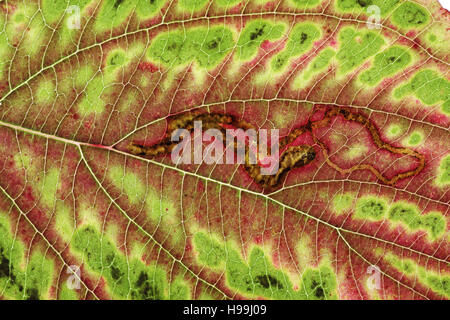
{"type": "Point", "coordinates": [92, 205]}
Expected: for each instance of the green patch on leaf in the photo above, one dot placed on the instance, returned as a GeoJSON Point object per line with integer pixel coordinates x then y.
{"type": "Point", "coordinates": [443, 178]}
{"type": "Point", "coordinates": [179, 290]}
{"type": "Point", "coordinates": [386, 63]}
{"type": "Point", "coordinates": [83, 75]}
{"type": "Point", "coordinates": [305, 3]}
{"type": "Point", "coordinates": [410, 14]}
{"type": "Point", "coordinates": [92, 103]}
{"type": "Point", "coordinates": [210, 251]}
{"type": "Point", "coordinates": [128, 182]}
{"type": "Point", "coordinates": [405, 213]}
{"type": "Point", "coordinates": [369, 207]}
{"type": "Point", "coordinates": [148, 8]}
{"type": "Point", "coordinates": [53, 10]}
{"type": "Point", "coordinates": [116, 58]}
{"type": "Point", "coordinates": [23, 160]}
{"type": "Point", "coordinates": [394, 130]}
{"type": "Point", "coordinates": [49, 184]}
{"type": "Point", "coordinates": [300, 40]}
{"type": "Point", "coordinates": [429, 87]}
{"type": "Point", "coordinates": [254, 33]}
{"type": "Point", "coordinates": [33, 283]}
{"type": "Point", "coordinates": [125, 278]}
{"type": "Point", "coordinates": [356, 47]}
{"type": "Point", "coordinates": [113, 13]}
{"type": "Point", "coordinates": [434, 222]}
{"type": "Point", "coordinates": [192, 5]}
{"type": "Point", "coordinates": [64, 221]}
{"type": "Point", "coordinates": [227, 3]}
{"type": "Point", "coordinates": [363, 6]}
{"type": "Point", "coordinates": [319, 284]}
{"type": "Point", "coordinates": [317, 65]}
{"type": "Point", "coordinates": [414, 139]}
{"type": "Point", "coordinates": [439, 283]}
{"type": "Point", "coordinates": [404, 265]}
{"type": "Point", "coordinates": [165, 213]}
{"type": "Point", "coordinates": [46, 92]}
{"type": "Point", "coordinates": [207, 46]}
{"type": "Point", "coordinates": [65, 293]}
{"type": "Point", "coordinates": [342, 202]}
{"type": "Point", "coordinates": [258, 277]}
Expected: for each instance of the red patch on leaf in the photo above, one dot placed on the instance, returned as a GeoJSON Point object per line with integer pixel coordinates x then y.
{"type": "Point", "coordinates": [439, 119]}
{"type": "Point", "coordinates": [38, 217]}
{"type": "Point", "coordinates": [236, 9]}
{"type": "Point", "coordinates": [318, 115]}
{"type": "Point", "coordinates": [305, 138]}
{"type": "Point", "coordinates": [266, 45]}
{"type": "Point", "coordinates": [269, 6]}
{"type": "Point", "coordinates": [28, 195]}
{"type": "Point", "coordinates": [148, 66]}
{"type": "Point", "coordinates": [100, 289]}
{"type": "Point", "coordinates": [100, 146]}
{"type": "Point", "coordinates": [258, 240]}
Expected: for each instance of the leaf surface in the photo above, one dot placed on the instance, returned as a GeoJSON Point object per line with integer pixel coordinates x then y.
{"type": "Point", "coordinates": [93, 207]}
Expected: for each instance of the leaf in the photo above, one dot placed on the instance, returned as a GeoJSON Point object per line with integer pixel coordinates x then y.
{"type": "Point", "coordinates": [93, 207]}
